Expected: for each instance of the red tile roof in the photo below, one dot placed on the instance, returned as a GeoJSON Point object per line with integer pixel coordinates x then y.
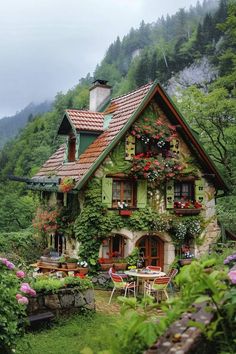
{"type": "Point", "coordinates": [86, 120]}
{"type": "Point", "coordinates": [122, 108]}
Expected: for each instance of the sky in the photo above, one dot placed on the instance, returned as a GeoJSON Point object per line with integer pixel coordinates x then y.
{"type": "Point", "coordinates": [48, 45]}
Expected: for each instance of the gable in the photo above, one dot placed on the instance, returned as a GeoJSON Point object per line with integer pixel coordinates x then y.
{"type": "Point", "coordinates": [125, 110]}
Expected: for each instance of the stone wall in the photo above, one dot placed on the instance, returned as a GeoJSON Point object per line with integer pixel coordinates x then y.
{"type": "Point", "coordinates": [64, 301]}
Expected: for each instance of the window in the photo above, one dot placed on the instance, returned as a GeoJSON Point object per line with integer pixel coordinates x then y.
{"type": "Point", "coordinates": [71, 148]}
{"type": "Point", "coordinates": [183, 191]}
{"type": "Point", "coordinates": [123, 191]}
{"type": "Point", "coordinates": [151, 148]}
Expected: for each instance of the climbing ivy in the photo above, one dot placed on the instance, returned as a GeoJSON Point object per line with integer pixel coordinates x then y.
{"type": "Point", "coordinates": [95, 223]}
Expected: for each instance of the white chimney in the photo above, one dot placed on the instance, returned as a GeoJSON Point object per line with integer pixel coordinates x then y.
{"type": "Point", "coordinates": [99, 94]}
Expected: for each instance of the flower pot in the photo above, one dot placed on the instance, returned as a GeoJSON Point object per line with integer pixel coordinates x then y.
{"type": "Point", "coordinates": [186, 261]}
{"type": "Point", "coordinates": [189, 211]}
{"type": "Point", "coordinates": [121, 266]}
{"type": "Point", "coordinates": [105, 266]}
{"type": "Point", "coordinates": [63, 266]}
{"type": "Point", "coordinates": [71, 265]}
{"type": "Point", "coordinates": [82, 270]}
{"type": "Point", "coordinates": [125, 212]}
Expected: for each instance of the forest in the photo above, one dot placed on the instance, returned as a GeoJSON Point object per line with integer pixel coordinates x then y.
{"type": "Point", "coordinates": [173, 49]}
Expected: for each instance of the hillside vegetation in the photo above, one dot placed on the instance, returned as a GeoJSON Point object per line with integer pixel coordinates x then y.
{"type": "Point", "coordinates": [160, 50]}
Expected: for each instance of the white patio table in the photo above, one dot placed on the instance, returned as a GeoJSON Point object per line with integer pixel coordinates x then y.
{"type": "Point", "coordinates": [143, 275]}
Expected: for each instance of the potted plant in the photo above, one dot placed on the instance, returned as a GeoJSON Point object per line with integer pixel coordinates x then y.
{"type": "Point", "coordinates": [82, 267]}
{"type": "Point", "coordinates": [187, 207]}
{"type": "Point", "coordinates": [67, 183]}
{"type": "Point", "coordinates": [71, 263]}
{"type": "Point", "coordinates": [62, 261]}
{"type": "Point", "coordinates": [123, 209]}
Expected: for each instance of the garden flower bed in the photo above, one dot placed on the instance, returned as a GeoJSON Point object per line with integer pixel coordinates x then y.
{"type": "Point", "coordinates": [62, 296]}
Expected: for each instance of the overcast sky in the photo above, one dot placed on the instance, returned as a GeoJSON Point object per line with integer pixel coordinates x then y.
{"type": "Point", "coordinates": [48, 45]}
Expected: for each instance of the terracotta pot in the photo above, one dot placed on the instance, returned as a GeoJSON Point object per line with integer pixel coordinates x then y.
{"type": "Point", "coordinates": [121, 266]}
{"type": "Point", "coordinates": [106, 266]}
{"type": "Point", "coordinates": [186, 261]}
{"type": "Point", "coordinates": [63, 266]}
{"type": "Point", "coordinates": [82, 270]}
{"type": "Point", "coordinates": [71, 265]}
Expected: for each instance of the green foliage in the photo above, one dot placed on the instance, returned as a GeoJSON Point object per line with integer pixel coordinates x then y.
{"type": "Point", "coordinates": [133, 258]}
{"type": "Point", "coordinates": [72, 335]}
{"type": "Point", "coordinates": [52, 285]}
{"type": "Point", "coordinates": [11, 312]}
{"type": "Point", "coordinates": [22, 246]}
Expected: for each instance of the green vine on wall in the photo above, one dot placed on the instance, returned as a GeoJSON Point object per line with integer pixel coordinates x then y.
{"type": "Point", "coordinates": [95, 223]}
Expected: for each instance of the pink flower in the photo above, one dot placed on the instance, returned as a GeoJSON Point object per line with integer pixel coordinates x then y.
{"type": "Point", "coordinates": [23, 300]}
{"type": "Point", "coordinates": [32, 292]}
{"type": "Point", "coordinates": [20, 274]}
{"type": "Point", "coordinates": [232, 276]}
{"type": "Point", "coordinates": [25, 288]}
{"type": "Point", "coordinates": [18, 296]}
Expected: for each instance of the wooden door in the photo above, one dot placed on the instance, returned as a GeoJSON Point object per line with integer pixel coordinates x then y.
{"type": "Point", "coordinates": [152, 249]}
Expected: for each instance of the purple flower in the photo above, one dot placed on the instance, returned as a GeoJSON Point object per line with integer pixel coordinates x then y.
{"type": "Point", "coordinates": [9, 265]}
{"type": "Point", "coordinates": [23, 300]}
{"type": "Point", "coordinates": [232, 276]}
{"type": "Point", "coordinates": [18, 296]}
{"type": "Point", "coordinates": [20, 274]}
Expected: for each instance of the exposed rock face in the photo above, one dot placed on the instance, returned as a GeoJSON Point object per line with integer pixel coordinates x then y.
{"type": "Point", "coordinates": [68, 300]}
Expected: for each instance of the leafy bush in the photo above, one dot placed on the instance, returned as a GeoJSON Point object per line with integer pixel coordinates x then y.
{"type": "Point", "coordinates": [23, 245]}
{"type": "Point", "coordinates": [46, 284]}
{"type": "Point", "coordinates": [12, 304]}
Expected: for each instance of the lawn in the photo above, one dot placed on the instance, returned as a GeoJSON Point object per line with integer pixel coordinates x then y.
{"type": "Point", "coordinates": [71, 335]}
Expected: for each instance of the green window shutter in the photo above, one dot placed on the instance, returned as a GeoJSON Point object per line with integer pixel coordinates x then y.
{"type": "Point", "coordinates": [129, 147]}
{"type": "Point", "coordinates": [199, 191]}
{"type": "Point", "coordinates": [170, 194]}
{"type": "Point", "coordinates": [141, 193]}
{"type": "Point", "coordinates": [107, 192]}
{"type": "Point", "coordinates": [175, 147]}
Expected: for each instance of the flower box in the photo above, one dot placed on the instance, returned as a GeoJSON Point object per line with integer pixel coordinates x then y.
{"type": "Point", "coordinates": [186, 261]}
{"type": "Point", "coordinates": [125, 212]}
{"type": "Point", "coordinates": [188, 211]}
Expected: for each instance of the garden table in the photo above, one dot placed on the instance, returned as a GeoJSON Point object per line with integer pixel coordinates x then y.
{"type": "Point", "coordinates": [143, 275]}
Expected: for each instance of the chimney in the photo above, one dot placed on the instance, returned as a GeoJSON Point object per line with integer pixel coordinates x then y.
{"type": "Point", "coordinates": [99, 94]}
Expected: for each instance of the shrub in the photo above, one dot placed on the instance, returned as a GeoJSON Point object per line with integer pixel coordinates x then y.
{"type": "Point", "coordinates": [12, 304]}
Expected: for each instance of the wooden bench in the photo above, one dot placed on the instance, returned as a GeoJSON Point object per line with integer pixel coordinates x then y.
{"type": "Point", "coordinates": [40, 318]}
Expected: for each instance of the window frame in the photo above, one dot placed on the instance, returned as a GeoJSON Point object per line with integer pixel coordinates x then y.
{"type": "Point", "coordinates": [182, 196]}
{"type": "Point", "coordinates": [122, 182]}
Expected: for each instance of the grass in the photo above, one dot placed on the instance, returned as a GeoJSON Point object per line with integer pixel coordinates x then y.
{"type": "Point", "coordinates": [70, 336]}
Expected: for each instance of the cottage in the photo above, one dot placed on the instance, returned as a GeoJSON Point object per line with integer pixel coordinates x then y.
{"type": "Point", "coordinates": [131, 174]}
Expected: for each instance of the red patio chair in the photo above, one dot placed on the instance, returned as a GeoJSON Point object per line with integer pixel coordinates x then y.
{"type": "Point", "coordinates": [157, 286]}
{"type": "Point", "coordinates": [120, 284]}
{"type": "Point", "coordinates": [154, 268]}
{"type": "Point", "coordinates": [172, 273]}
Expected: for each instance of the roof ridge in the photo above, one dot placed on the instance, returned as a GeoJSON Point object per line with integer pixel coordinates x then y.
{"type": "Point", "coordinates": [132, 92]}
{"type": "Point", "coordinates": [83, 110]}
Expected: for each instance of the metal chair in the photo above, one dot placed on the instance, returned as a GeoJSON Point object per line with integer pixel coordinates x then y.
{"type": "Point", "coordinates": [154, 268]}
{"type": "Point", "coordinates": [157, 286]}
{"type": "Point", "coordinates": [120, 284]}
{"type": "Point", "coordinates": [172, 273]}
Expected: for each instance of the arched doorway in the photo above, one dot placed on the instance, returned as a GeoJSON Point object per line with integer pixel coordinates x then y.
{"type": "Point", "coordinates": [152, 248]}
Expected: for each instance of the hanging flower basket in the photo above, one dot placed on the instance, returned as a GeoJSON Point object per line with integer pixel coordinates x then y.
{"type": "Point", "coordinates": [66, 184]}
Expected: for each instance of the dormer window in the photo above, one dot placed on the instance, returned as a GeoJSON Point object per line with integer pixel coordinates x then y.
{"type": "Point", "coordinates": [71, 148]}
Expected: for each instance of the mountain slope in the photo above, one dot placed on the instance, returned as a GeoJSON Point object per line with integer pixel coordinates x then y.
{"type": "Point", "coordinates": [10, 126]}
